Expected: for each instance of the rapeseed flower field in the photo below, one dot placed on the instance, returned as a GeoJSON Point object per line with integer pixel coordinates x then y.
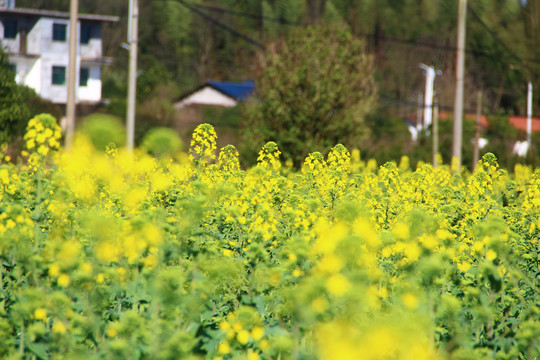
{"type": "Point", "coordinates": [126, 256]}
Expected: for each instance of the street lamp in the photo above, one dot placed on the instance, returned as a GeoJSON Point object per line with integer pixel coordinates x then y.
{"type": "Point", "coordinates": [428, 95]}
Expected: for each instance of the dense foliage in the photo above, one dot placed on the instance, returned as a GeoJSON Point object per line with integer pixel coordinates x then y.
{"type": "Point", "coordinates": [14, 112]}
{"type": "Point", "coordinates": [314, 90]}
{"type": "Point", "coordinates": [17, 104]}
{"type": "Point", "coordinates": [112, 255]}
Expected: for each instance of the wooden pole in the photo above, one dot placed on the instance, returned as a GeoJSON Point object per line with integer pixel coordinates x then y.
{"type": "Point", "coordinates": [529, 115]}
{"type": "Point", "coordinates": [72, 74]}
{"type": "Point", "coordinates": [476, 148]}
{"type": "Point", "coordinates": [460, 73]}
{"type": "Point", "coordinates": [132, 75]}
{"type": "Point", "coordinates": [435, 130]}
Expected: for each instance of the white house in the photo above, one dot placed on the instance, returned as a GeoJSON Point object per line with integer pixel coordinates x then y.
{"type": "Point", "coordinates": [37, 45]}
{"type": "Point", "coordinates": [217, 93]}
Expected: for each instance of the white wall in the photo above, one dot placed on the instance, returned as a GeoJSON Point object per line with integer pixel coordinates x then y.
{"type": "Point", "coordinates": [28, 71]}
{"type": "Point", "coordinates": [207, 96]}
{"type": "Point", "coordinates": [91, 92]}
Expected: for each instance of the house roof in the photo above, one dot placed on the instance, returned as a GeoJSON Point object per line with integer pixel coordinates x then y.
{"type": "Point", "coordinates": [520, 123]}
{"type": "Point", "coordinates": [57, 14]}
{"type": "Point", "coordinates": [236, 90]}
{"type": "Point", "coordinates": [483, 118]}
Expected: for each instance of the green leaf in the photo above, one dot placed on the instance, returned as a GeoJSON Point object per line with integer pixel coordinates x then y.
{"type": "Point", "coordinates": [39, 349]}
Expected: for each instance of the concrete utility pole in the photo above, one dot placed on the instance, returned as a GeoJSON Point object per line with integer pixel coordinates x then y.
{"type": "Point", "coordinates": [419, 114]}
{"type": "Point", "coordinates": [72, 73]}
{"type": "Point", "coordinates": [476, 148]}
{"type": "Point", "coordinates": [428, 95]}
{"type": "Point", "coordinates": [460, 74]}
{"type": "Point", "coordinates": [435, 130]}
{"type": "Point", "coordinates": [529, 115]}
{"type": "Point", "coordinates": [132, 75]}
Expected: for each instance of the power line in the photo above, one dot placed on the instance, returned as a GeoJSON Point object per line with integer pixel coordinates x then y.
{"type": "Point", "coordinates": [382, 38]}
{"type": "Point", "coordinates": [477, 53]}
{"type": "Point", "coordinates": [393, 101]}
{"type": "Point", "coordinates": [498, 40]}
{"type": "Point", "coordinates": [492, 33]}
{"type": "Point", "coordinates": [246, 15]}
{"type": "Point", "coordinates": [222, 25]}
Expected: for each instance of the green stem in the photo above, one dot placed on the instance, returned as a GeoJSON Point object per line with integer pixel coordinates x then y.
{"type": "Point", "coordinates": [36, 209]}
{"type": "Point", "coordinates": [22, 340]}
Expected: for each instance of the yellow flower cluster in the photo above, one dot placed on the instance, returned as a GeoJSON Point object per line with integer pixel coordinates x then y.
{"type": "Point", "coordinates": [269, 156]}
{"type": "Point", "coordinates": [203, 144]}
{"type": "Point", "coordinates": [42, 134]}
{"type": "Point", "coordinates": [228, 159]}
{"type": "Point", "coordinates": [243, 330]}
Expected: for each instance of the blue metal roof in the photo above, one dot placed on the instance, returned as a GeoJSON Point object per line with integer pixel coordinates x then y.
{"type": "Point", "coordinates": [236, 90]}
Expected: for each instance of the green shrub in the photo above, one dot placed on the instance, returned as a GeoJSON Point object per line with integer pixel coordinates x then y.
{"type": "Point", "coordinates": [104, 130]}
{"type": "Point", "coordinates": [161, 141]}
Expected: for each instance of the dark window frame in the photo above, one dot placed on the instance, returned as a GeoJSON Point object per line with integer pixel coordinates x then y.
{"type": "Point", "coordinates": [58, 75]}
{"type": "Point", "coordinates": [84, 76]}
{"type": "Point", "coordinates": [12, 67]}
{"type": "Point", "coordinates": [86, 33]}
{"type": "Point", "coordinates": [59, 32]}
{"type": "Point", "coordinates": [11, 28]}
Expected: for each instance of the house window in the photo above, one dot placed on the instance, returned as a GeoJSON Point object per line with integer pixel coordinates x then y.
{"type": "Point", "coordinates": [84, 74]}
{"type": "Point", "coordinates": [58, 75]}
{"type": "Point", "coordinates": [85, 33]}
{"type": "Point", "coordinates": [12, 67]}
{"type": "Point", "coordinates": [10, 28]}
{"type": "Point", "coordinates": [59, 32]}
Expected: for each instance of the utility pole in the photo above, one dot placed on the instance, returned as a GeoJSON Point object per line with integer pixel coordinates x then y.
{"type": "Point", "coordinates": [435, 130]}
{"type": "Point", "coordinates": [72, 73]}
{"type": "Point", "coordinates": [419, 125]}
{"type": "Point", "coordinates": [460, 73]}
{"type": "Point", "coordinates": [428, 95]}
{"type": "Point", "coordinates": [132, 75]}
{"type": "Point", "coordinates": [529, 115]}
{"type": "Point", "coordinates": [476, 148]}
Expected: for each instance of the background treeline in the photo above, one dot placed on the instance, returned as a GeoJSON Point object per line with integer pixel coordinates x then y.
{"type": "Point", "coordinates": [186, 42]}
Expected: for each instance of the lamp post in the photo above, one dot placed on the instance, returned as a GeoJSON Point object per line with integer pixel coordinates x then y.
{"type": "Point", "coordinates": [428, 96]}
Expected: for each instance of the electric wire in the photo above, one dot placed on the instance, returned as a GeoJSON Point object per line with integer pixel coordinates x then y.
{"type": "Point", "coordinates": [222, 25]}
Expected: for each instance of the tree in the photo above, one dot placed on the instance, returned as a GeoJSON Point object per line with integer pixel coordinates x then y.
{"type": "Point", "coordinates": [313, 92]}
{"type": "Point", "coordinates": [14, 114]}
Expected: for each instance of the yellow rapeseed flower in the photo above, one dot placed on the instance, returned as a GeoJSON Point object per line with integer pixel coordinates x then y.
{"type": "Point", "coordinates": [224, 348]}
{"type": "Point", "coordinates": [319, 305]}
{"type": "Point", "coordinates": [54, 270]}
{"type": "Point", "coordinates": [63, 280]}
{"type": "Point", "coordinates": [410, 300]}
{"type": "Point", "coordinates": [257, 333]}
{"type": "Point", "coordinates": [40, 314]}
{"type": "Point", "coordinates": [59, 328]}
{"type": "Point", "coordinates": [243, 337]}
{"type": "Point", "coordinates": [338, 285]}
{"type": "Point", "coordinates": [491, 255]}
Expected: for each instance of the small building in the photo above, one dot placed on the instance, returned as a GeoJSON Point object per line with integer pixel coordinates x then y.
{"type": "Point", "coordinates": [520, 123]}
{"type": "Point", "coordinates": [218, 93]}
{"type": "Point", "coordinates": [36, 42]}
{"type": "Point", "coordinates": [213, 102]}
